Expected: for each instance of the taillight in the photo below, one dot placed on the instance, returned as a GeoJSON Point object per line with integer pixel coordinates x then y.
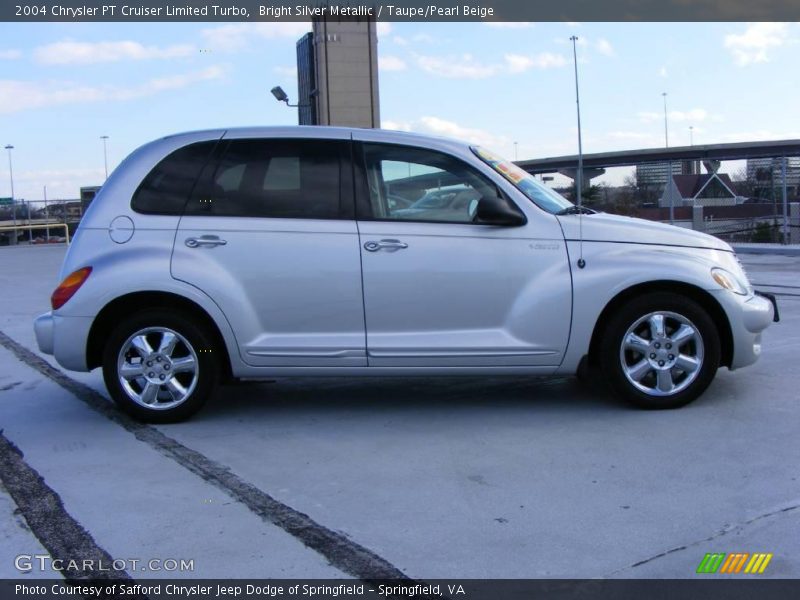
{"type": "Point", "coordinates": [68, 287]}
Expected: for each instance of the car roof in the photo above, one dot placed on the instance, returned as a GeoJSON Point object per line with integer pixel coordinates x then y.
{"type": "Point", "coordinates": [321, 132]}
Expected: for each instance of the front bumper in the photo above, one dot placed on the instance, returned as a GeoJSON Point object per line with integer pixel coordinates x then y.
{"type": "Point", "coordinates": [771, 297]}
{"type": "Point", "coordinates": [748, 317]}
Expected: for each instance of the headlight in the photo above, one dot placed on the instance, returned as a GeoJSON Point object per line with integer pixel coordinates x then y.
{"type": "Point", "coordinates": [729, 281]}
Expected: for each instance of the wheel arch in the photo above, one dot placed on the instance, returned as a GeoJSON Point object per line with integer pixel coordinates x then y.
{"type": "Point", "coordinates": [699, 295]}
{"type": "Point", "coordinates": [125, 305]}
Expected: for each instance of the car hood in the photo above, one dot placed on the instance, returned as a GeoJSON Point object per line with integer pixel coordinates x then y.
{"type": "Point", "coordinates": [603, 227]}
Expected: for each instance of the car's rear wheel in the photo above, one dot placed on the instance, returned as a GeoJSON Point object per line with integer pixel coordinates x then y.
{"type": "Point", "coordinates": [660, 350]}
{"type": "Point", "coordinates": [159, 366]}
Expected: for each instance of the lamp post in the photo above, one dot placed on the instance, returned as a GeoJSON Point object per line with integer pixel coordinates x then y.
{"type": "Point", "coordinates": [691, 135]}
{"type": "Point", "coordinates": [105, 153]}
{"type": "Point", "coordinates": [669, 164]}
{"type": "Point", "coordinates": [9, 147]}
{"type": "Point", "coordinates": [516, 154]}
{"type": "Point", "coordinates": [579, 177]}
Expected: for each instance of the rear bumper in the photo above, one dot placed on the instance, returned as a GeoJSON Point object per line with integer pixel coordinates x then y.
{"type": "Point", "coordinates": [43, 328]}
{"type": "Point", "coordinates": [65, 338]}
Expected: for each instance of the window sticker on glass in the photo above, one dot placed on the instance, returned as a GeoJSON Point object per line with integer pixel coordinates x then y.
{"type": "Point", "coordinates": [541, 195]}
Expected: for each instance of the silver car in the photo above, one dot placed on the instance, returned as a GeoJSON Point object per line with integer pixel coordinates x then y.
{"type": "Point", "coordinates": [277, 252]}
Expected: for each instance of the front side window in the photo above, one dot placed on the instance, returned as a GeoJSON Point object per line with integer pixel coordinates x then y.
{"type": "Point", "coordinates": [541, 195]}
{"type": "Point", "coordinates": [414, 184]}
{"type": "Point", "coordinates": [272, 178]}
{"type": "Point", "coordinates": [168, 186]}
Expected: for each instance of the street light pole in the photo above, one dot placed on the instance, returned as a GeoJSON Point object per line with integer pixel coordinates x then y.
{"type": "Point", "coordinates": [105, 153]}
{"type": "Point", "coordinates": [9, 147]}
{"type": "Point", "coordinates": [669, 164]}
{"type": "Point", "coordinates": [579, 177]}
{"type": "Point", "coordinates": [691, 135]}
{"type": "Point", "coordinates": [516, 154]}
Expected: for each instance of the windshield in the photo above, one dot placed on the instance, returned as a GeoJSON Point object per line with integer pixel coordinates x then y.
{"type": "Point", "coordinates": [541, 195]}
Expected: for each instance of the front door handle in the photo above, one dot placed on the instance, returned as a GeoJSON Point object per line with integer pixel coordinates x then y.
{"type": "Point", "coordinates": [208, 241]}
{"type": "Point", "coordinates": [391, 245]}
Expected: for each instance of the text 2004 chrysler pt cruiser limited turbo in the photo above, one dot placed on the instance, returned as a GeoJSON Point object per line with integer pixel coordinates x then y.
{"type": "Point", "coordinates": [270, 252]}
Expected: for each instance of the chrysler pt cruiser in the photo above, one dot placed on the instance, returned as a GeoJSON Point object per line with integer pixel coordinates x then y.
{"type": "Point", "coordinates": [277, 252]}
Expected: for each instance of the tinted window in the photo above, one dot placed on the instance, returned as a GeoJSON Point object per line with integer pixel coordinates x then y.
{"type": "Point", "coordinates": [272, 178]}
{"type": "Point", "coordinates": [168, 186]}
{"type": "Point", "coordinates": [413, 184]}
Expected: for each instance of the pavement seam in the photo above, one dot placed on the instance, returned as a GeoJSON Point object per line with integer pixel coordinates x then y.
{"type": "Point", "coordinates": [341, 552]}
{"type": "Point", "coordinates": [63, 537]}
{"type": "Point", "coordinates": [721, 533]}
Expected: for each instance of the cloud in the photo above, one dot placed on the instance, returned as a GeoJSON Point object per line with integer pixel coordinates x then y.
{"type": "Point", "coordinates": [630, 135]}
{"type": "Point", "coordinates": [391, 63]}
{"type": "Point", "coordinates": [16, 96]}
{"type": "Point", "coordinates": [662, 72]}
{"type": "Point", "coordinates": [437, 126]}
{"type": "Point", "coordinates": [694, 115]}
{"type": "Point", "coordinates": [62, 184]}
{"type": "Point", "coordinates": [395, 125]}
{"type": "Point", "coordinates": [71, 52]}
{"type": "Point", "coordinates": [11, 54]}
{"type": "Point", "coordinates": [517, 63]}
{"type": "Point", "coordinates": [760, 135]}
{"type": "Point", "coordinates": [604, 47]}
{"type": "Point", "coordinates": [419, 38]}
{"type": "Point", "coordinates": [466, 67]}
{"type": "Point", "coordinates": [755, 43]}
{"type": "Point", "coordinates": [236, 36]}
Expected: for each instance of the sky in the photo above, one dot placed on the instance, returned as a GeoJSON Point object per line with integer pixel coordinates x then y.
{"type": "Point", "coordinates": [63, 85]}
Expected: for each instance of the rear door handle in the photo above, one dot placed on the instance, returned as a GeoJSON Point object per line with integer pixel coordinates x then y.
{"type": "Point", "coordinates": [391, 245]}
{"type": "Point", "coordinates": [208, 241]}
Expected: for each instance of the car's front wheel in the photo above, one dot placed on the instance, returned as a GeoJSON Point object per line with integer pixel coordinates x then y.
{"type": "Point", "coordinates": [160, 366]}
{"type": "Point", "coordinates": [660, 350]}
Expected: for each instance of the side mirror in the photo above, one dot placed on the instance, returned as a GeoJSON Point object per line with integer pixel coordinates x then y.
{"type": "Point", "coordinates": [498, 211]}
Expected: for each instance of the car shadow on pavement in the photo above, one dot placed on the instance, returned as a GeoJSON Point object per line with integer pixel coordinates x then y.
{"type": "Point", "coordinates": [321, 396]}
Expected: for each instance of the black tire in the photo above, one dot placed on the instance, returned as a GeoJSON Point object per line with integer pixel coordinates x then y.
{"type": "Point", "coordinates": [663, 357]}
{"type": "Point", "coordinates": [193, 346]}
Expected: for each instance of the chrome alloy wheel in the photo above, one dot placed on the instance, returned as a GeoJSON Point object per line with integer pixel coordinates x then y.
{"type": "Point", "coordinates": [158, 368]}
{"type": "Point", "coordinates": [662, 353]}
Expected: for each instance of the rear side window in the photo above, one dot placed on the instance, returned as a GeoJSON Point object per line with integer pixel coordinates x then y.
{"type": "Point", "coordinates": [295, 179]}
{"type": "Point", "coordinates": [168, 186]}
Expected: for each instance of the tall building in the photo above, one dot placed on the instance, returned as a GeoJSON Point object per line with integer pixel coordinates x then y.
{"type": "Point", "coordinates": [306, 82]}
{"type": "Point", "coordinates": [766, 175]}
{"type": "Point", "coordinates": [337, 66]}
{"type": "Point", "coordinates": [655, 175]}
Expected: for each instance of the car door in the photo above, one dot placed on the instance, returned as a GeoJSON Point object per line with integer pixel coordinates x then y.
{"type": "Point", "coordinates": [269, 235]}
{"type": "Point", "coordinates": [441, 290]}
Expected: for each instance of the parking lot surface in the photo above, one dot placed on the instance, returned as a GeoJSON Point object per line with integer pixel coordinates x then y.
{"type": "Point", "coordinates": [434, 478]}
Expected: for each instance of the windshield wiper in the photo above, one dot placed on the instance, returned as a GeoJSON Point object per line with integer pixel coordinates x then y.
{"type": "Point", "coordinates": [576, 210]}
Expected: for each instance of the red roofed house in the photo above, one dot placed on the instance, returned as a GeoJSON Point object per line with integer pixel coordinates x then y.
{"type": "Point", "coordinates": [709, 189]}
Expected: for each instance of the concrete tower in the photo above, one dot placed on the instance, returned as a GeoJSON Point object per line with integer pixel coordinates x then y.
{"type": "Point", "coordinates": [337, 68]}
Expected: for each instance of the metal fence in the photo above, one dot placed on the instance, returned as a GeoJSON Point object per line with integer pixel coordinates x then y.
{"type": "Point", "coordinates": [39, 221]}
